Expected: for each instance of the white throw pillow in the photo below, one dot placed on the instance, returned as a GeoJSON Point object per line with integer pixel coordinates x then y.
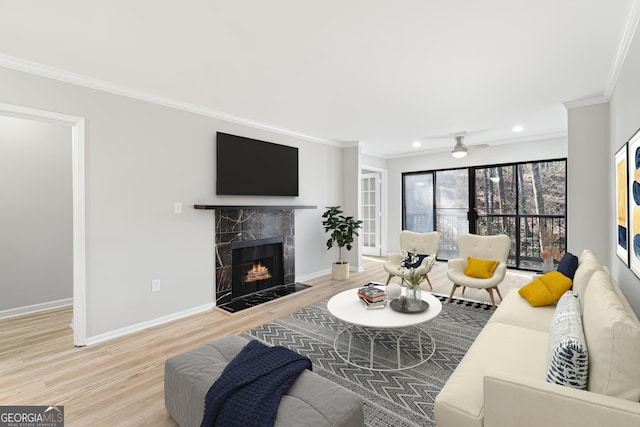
{"type": "Point", "coordinates": [613, 340]}
{"type": "Point", "coordinates": [567, 358]}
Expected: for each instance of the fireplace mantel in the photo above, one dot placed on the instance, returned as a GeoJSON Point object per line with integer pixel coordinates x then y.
{"type": "Point", "coordinates": [212, 207]}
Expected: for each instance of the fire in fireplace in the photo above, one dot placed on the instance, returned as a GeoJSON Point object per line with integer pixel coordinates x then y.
{"type": "Point", "coordinates": [257, 272]}
{"type": "Point", "coordinates": [256, 265]}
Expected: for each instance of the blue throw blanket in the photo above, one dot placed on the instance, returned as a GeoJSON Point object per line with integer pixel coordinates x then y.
{"type": "Point", "coordinates": [249, 390]}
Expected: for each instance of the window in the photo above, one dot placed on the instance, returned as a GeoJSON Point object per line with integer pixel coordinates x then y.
{"type": "Point", "coordinates": [526, 201]}
{"type": "Point", "coordinates": [417, 206]}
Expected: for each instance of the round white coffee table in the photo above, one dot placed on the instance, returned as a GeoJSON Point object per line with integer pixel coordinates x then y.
{"type": "Point", "coordinates": [383, 332]}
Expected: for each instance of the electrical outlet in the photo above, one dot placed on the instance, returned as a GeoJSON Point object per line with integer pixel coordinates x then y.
{"type": "Point", "coordinates": [177, 207]}
{"type": "Point", "coordinates": [155, 285]}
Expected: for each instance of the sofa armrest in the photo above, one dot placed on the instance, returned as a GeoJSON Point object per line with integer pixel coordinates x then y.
{"type": "Point", "coordinates": [513, 400]}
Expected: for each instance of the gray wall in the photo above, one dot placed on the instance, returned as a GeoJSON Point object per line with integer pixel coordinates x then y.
{"type": "Point", "coordinates": [625, 120]}
{"type": "Point", "coordinates": [140, 159]}
{"type": "Point", "coordinates": [587, 184]}
{"type": "Point", "coordinates": [351, 200]}
{"type": "Point", "coordinates": [35, 213]}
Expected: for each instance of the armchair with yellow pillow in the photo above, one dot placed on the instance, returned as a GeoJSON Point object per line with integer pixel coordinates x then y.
{"type": "Point", "coordinates": [482, 263]}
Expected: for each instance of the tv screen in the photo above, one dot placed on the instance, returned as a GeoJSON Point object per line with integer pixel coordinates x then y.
{"type": "Point", "coordinates": [249, 167]}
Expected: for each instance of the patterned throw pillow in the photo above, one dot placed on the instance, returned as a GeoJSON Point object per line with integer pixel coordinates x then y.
{"type": "Point", "coordinates": [419, 259]}
{"type": "Point", "coordinates": [567, 358]}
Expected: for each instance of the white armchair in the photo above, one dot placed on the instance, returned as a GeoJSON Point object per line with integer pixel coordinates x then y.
{"type": "Point", "coordinates": [483, 247]}
{"type": "Point", "coordinates": [418, 243]}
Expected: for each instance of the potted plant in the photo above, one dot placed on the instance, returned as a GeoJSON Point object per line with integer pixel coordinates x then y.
{"type": "Point", "coordinates": [343, 230]}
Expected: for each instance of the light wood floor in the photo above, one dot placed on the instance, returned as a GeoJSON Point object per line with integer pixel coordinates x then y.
{"type": "Point", "coordinates": [120, 382]}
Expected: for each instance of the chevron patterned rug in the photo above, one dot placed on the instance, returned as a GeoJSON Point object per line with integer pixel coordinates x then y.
{"type": "Point", "coordinates": [397, 398]}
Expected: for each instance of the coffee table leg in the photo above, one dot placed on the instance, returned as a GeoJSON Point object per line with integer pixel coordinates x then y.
{"type": "Point", "coordinates": [372, 341]}
{"type": "Point", "coordinates": [371, 353]}
{"type": "Point", "coordinates": [372, 335]}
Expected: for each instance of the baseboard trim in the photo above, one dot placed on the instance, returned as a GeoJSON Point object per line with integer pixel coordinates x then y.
{"type": "Point", "coordinates": [35, 308]}
{"type": "Point", "coordinates": [148, 324]}
{"type": "Point", "coordinates": [304, 278]}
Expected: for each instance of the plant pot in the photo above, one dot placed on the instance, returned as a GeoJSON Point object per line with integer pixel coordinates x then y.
{"type": "Point", "coordinates": [340, 271]}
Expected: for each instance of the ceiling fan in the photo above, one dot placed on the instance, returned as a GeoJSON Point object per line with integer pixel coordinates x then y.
{"type": "Point", "coordinates": [460, 149]}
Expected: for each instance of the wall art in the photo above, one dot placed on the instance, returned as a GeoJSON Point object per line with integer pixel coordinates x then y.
{"type": "Point", "coordinates": [622, 207]}
{"type": "Point", "coordinates": [634, 203]}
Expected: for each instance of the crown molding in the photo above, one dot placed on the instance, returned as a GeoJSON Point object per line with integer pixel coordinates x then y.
{"type": "Point", "coordinates": [54, 73]}
{"type": "Point", "coordinates": [585, 102]}
{"type": "Point", "coordinates": [625, 42]}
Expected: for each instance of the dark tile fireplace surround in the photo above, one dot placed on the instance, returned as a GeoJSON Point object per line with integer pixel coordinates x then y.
{"type": "Point", "coordinates": [265, 235]}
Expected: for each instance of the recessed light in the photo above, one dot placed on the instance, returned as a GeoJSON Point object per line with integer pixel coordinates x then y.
{"type": "Point", "coordinates": [417, 144]}
{"type": "Point", "coordinates": [517, 129]}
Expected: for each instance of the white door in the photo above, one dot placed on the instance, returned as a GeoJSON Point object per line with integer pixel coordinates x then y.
{"type": "Point", "coordinates": [370, 209]}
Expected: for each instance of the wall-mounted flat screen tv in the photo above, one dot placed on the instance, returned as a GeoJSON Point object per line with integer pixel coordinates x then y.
{"type": "Point", "coordinates": [249, 167]}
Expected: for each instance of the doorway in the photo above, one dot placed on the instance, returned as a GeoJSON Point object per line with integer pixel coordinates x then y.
{"type": "Point", "coordinates": [78, 200]}
{"type": "Point", "coordinates": [372, 208]}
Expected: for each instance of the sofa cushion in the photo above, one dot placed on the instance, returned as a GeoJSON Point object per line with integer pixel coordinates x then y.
{"type": "Point", "coordinates": [506, 348]}
{"type": "Point", "coordinates": [546, 289]}
{"type": "Point", "coordinates": [568, 265]}
{"type": "Point", "coordinates": [568, 361]}
{"type": "Point", "coordinates": [480, 268]}
{"type": "Point", "coordinates": [587, 265]}
{"type": "Point", "coordinates": [613, 340]}
{"type": "Point", "coordinates": [515, 310]}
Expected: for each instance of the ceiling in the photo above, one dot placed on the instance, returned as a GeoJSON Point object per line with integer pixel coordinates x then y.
{"type": "Point", "coordinates": [383, 73]}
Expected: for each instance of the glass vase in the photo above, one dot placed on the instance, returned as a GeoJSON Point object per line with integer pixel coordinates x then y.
{"type": "Point", "coordinates": [414, 299]}
{"type": "Point", "coordinates": [547, 265]}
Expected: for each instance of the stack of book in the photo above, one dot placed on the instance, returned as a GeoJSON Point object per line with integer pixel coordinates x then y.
{"type": "Point", "coordinates": [372, 297]}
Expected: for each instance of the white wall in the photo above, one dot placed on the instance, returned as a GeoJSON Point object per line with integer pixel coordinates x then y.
{"type": "Point", "coordinates": [140, 159]}
{"type": "Point", "coordinates": [587, 183]}
{"type": "Point", "coordinates": [625, 121]}
{"type": "Point", "coordinates": [369, 160]}
{"type": "Point", "coordinates": [526, 151]}
{"type": "Point", "coordinates": [351, 200]}
{"type": "Point", "coordinates": [35, 214]}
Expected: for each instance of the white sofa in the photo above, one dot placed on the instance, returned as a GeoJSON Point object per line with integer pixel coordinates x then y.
{"type": "Point", "coordinates": [501, 380]}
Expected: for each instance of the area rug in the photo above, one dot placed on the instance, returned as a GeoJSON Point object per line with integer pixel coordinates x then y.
{"type": "Point", "coordinates": [399, 398]}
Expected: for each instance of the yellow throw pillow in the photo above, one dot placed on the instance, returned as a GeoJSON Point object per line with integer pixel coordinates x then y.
{"type": "Point", "coordinates": [546, 289]}
{"type": "Point", "coordinates": [480, 268]}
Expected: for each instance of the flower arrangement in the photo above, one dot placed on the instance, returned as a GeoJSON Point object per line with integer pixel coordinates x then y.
{"type": "Point", "coordinates": [549, 252]}
{"type": "Point", "coordinates": [409, 267]}
{"type": "Point", "coordinates": [408, 263]}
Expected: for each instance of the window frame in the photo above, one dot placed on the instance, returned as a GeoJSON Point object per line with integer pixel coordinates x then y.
{"type": "Point", "coordinates": [472, 214]}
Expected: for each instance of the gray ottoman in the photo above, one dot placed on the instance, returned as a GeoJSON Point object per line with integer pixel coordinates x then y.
{"type": "Point", "coordinates": [311, 401]}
